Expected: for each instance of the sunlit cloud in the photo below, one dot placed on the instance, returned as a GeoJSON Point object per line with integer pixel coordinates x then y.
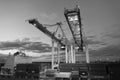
{"type": "Point", "coordinates": [24, 45]}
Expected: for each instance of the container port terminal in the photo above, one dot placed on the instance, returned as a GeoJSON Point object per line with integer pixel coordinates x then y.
{"type": "Point", "coordinates": [22, 67]}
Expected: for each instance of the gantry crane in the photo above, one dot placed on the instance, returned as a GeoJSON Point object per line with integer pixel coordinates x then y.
{"type": "Point", "coordinates": [60, 42]}
{"type": "Point", "coordinates": [74, 22]}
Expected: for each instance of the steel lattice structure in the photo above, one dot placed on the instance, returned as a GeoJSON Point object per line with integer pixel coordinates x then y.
{"type": "Point", "coordinates": [74, 22]}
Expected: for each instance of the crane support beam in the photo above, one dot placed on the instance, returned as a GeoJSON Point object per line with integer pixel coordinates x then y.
{"type": "Point", "coordinates": [44, 30]}
{"type": "Point", "coordinates": [74, 22]}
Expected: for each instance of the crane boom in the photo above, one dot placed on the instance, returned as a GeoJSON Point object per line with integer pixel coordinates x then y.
{"type": "Point", "coordinates": [74, 22]}
{"type": "Point", "coordinates": [44, 30]}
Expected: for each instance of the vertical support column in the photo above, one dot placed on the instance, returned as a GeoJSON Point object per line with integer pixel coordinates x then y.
{"type": "Point", "coordinates": [87, 54]}
{"type": "Point", "coordinates": [58, 53]}
{"type": "Point", "coordinates": [66, 54]}
{"type": "Point", "coordinates": [52, 54]}
{"type": "Point", "coordinates": [73, 54]}
{"type": "Point", "coordinates": [72, 57]}
{"type": "Point", "coordinates": [69, 56]}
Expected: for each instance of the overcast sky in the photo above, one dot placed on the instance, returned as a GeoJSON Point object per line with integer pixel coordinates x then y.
{"type": "Point", "coordinates": [100, 19]}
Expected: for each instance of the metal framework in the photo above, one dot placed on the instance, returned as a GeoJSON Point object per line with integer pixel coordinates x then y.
{"type": "Point", "coordinates": [60, 43]}
{"type": "Point", "coordinates": [44, 30]}
{"type": "Point", "coordinates": [74, 22]}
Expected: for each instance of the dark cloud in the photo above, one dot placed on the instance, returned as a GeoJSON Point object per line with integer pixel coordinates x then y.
{"type": "Point", "coordinates": [112, 52]}
{"type": "Point", "coordinates": [10, 45]}
{"type": "Point", "coordinates": [37, 47]}
{"type": "Point", "coordinates": [25, 44]}
{"type": "Point", "coordinates": [109, 35]}
{"type": "Point", "coordinates": [113, 35]}
{"type": "Point", "coordinates": [113, 31]}
{"type": "Point", "coordinates": [115, 26]}
{"type": "Point", "coordinates": [90, 37]}
{"type": "Point", "coordinates": [91, 40]}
